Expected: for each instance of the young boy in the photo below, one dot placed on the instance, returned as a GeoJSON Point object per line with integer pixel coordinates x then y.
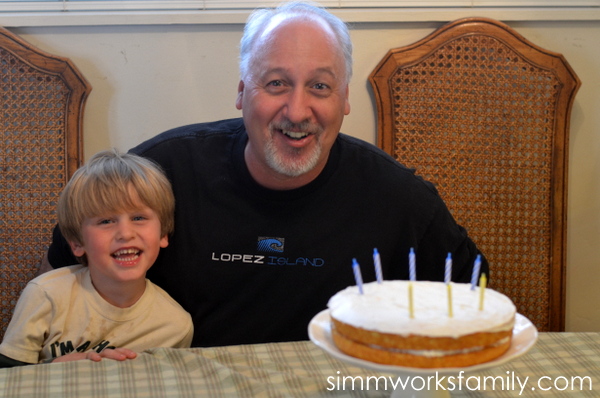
{"type": "Point", "coordinates": [116, 213]}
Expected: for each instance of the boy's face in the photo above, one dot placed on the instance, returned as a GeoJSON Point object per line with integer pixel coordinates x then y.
{"type": "Point", "coordinates": [121, 247]}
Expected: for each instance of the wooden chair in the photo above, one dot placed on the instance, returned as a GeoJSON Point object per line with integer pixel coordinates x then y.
{"type": "Point", "coordinates": [484, 114]}
{"type": "Point", "coordinates": [40, 147]}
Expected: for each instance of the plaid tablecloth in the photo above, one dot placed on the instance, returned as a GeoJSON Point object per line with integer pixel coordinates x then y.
{"type": "Point", "coordinates": [560, 364]}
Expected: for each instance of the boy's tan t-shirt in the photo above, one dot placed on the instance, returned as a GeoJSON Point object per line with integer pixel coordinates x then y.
{"type": "Point", "coordinates": [60, 312]}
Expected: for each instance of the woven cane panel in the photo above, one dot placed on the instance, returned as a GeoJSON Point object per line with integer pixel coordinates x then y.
{"type": "Point", "coordinates": [477, 120]}
{"type": "Point", "coordinates": [32, 165]}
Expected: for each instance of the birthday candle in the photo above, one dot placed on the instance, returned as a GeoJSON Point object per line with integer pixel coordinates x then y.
{"type": "Point", "coordinates": [476, 268]}
{"type": "Point", "coordinates": [448, 272]}
{"type": "Point", "coordinates": [412, 265]}
{"type": "Point", "coordinates": [357, 275]}
{"type": "Point", "coordinates": [377, 261]}
{"type": "Point", "coordinates": [447, 279]}
{"type": "Point", "coordinates": [482, 284]}
{"type": "Point", "coordinates": [449, 288]}
{"type": "Point", "coordinates": [411, 308]}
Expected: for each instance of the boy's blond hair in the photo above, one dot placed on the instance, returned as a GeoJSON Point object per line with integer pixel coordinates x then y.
{"type": "Point", "coordinates": [103, 186]}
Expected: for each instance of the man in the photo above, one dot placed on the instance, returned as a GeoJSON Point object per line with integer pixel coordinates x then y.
{"type": "Point", "coordinates": [272, 208]}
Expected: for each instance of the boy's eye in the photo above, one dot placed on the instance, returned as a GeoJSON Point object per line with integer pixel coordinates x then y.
{"type": "Point", "coordinates": [104, 221]}
{"type": "Point", "coordinates": [138, 218]}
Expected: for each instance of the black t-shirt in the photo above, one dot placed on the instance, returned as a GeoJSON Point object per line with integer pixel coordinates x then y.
{"type": "Point", "coordinates": [254, 265]}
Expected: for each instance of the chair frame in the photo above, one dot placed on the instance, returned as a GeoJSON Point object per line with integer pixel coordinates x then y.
{"type": "Point", "coordinates": [410, 55]}
{"type": "Point", "coordinates": [80, 89]}
{"type": "Point", "coordinates": [20, 58]}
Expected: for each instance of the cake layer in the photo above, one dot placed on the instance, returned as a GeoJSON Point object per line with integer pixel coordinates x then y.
{"type": "Point", "coordinates": [421, 358]}
{"type": "Point", "coordinates": [418, 342]}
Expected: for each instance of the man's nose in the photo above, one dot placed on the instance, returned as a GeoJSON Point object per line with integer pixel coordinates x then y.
{"type": "Point", "coordinates": [298, 107]}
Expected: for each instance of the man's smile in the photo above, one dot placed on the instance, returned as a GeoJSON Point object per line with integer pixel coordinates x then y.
{"type": "Point", "coordinates": [296, 135]}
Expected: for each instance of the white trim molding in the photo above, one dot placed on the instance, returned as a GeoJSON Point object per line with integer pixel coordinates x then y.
{"type": "Point", "coordinates": [29, 13]}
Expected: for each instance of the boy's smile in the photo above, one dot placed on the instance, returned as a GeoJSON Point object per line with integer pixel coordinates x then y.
{"type": "Point", "coordinates": [127, 256]}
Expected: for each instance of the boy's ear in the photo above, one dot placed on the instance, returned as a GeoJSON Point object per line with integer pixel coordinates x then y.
{"type": "Point", "coordinates": [77, 249]}
{"type": "Point", "coordinates": [164, 241]}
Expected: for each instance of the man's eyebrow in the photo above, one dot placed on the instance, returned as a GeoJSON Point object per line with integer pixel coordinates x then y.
{"type": "Point", "coordinates": [324, 70]}
{"type": "Point", "coordinates": [328, 71]}
{"type": "Point", "coordinates": [274, 70]}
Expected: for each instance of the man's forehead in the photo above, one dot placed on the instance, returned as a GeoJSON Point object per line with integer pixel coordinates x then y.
{"type": "Point", "coordinates": [284, 27]}
{"type": "Point", "coordinates": [283, 20]}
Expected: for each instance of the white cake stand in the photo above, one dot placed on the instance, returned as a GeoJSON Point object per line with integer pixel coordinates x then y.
{"type": "Point", "coordinates": [524, 337]}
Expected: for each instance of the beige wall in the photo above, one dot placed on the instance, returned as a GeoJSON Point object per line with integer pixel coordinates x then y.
{"type": "Point", "coordinates": [148, 79]}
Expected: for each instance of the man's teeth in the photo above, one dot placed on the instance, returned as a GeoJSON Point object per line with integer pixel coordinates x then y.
{"type": "Point", "coordinates": [295, 134]}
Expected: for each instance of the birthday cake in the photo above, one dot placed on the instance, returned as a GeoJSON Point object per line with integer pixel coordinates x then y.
{"type": "Point", "coordinates": [376, 325]}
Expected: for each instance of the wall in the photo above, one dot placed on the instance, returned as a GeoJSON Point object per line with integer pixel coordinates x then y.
{"type": "Point", "coordinates": [149, 78]}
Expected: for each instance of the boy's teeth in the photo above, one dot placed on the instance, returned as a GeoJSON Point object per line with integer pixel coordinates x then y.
{"type": "Point", "coordinates": [126, 252]}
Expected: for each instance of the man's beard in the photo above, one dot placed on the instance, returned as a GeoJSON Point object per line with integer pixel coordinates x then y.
{"type": "Point", "coordinates": [293, 162]}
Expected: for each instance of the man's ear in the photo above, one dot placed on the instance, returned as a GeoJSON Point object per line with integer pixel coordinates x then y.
{"type": "Point", "coordinates": [240, 96]}
{"type": "Point", "coordinates": [347, 102]}
{"type": "Point", "coordinates": [77, 249]}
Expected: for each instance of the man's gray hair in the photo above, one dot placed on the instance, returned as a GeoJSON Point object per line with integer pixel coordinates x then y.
{"type": "Point", "coordinates": [259, 20]}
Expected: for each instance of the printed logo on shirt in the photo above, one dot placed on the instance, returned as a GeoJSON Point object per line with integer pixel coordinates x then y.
{"type": "Point", "coordinates": [60, 348]}
{"type": "Point", "coordinates": [268, 244]}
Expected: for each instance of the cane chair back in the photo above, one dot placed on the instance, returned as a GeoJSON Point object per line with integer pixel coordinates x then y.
{"type": "Point", "coordinates": [484, 114]}
{"type": "Point", "coordinates": [40, 147]}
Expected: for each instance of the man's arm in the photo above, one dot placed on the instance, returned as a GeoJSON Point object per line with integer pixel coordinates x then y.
{"type": "Point", "coordinates": [59, 254]}
{"type": "Point", "coordinates": [44, 265]}
{"type": "Point", "coordinates": [6, 362]}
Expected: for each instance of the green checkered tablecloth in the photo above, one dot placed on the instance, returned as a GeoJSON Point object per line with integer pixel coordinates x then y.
{"type": "Point", "coordinates": [560, 364]}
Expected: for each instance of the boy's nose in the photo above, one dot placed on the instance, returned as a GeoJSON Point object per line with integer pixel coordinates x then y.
{"type": "Point", "coordinates": [125, 231]}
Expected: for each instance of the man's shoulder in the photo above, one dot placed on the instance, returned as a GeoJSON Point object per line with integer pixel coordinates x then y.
{"type": "Point", "coordinates": [378, 165]}
{"type": "Point", "coordinates": [367, 152]}
{"type": "Point", "coordinates": [191, 132]}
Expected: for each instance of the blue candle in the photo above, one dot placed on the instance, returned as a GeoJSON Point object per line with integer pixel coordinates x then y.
{"type": "Point", "coordinates": [476, 268]}
{"type": "Point", "coordinates": [448, 271]}
{"type": "Point", "coordinates": [412, 265]}
{"type": "Point", "coordinates": [357, 275]}
{"type": "Point", "coordinates": [377, 261]}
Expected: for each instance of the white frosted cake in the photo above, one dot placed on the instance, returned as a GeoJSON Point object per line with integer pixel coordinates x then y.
{"type": "Point", "coordinates": [377, 325]}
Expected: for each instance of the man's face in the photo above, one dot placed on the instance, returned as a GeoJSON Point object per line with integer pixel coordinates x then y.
{"type": "Point", "coordinates": [293, 102]}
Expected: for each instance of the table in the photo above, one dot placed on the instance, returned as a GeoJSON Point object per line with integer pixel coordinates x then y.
{"type": "Point", "coordinates": [566, 364]}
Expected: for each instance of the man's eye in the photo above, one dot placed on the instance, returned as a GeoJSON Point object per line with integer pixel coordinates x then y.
{"type": "Point", "coordinates": [321, 86]}
{"type": "Point", "coordinates": [275, 83]}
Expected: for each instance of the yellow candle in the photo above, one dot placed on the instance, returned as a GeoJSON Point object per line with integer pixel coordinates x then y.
{"type": "Point", "coordinates": [411, 310]}
{"type": "Point", "coordinates": [449, 287]}
{"type": "Point", "coordinates": [482, 284]}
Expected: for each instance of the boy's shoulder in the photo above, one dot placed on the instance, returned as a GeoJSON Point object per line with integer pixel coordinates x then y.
{"type": "Point", "coordinates": [162, 296]}
{"type": "Point", "coordinates": [58, 275]}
